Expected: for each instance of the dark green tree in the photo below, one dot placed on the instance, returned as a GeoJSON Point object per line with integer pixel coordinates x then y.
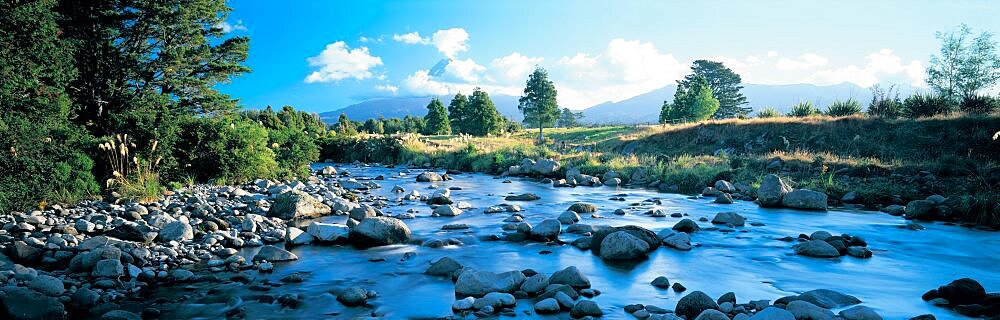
{"type": "Point", "coordinates": [436, 120]}
{"type": "Point", "coordinates": [569, 119]}
{"type": "Point", "coordinates": [538, 104]}
{"type": "Point", "coordinates": [725, 85]}
{"type": "Point", "coordinates": [668, 112]}
{"type": "Point", "coordinates": [457, 113]}
{"type": "Point", "coordinates": [483, 118]}
{"type": "Point", "coordinates": [373, 126]}
{"type": "Point", "coordinates": [345, 126]}
{"type": "Point", "coordinates": [691, 103]}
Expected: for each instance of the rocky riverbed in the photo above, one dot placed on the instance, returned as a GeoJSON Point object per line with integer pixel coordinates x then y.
{"type": "Point", "coordinates": [358, 241]}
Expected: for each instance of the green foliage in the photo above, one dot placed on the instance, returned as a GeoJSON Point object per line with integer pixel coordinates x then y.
{"type": "Point", "coordinates": [568, 119]}
{"type": "Point", "coordinates": [768, 113]}
{"type": "Point", "coordinates": [885, 103]}
{"type": "Point", "coordinates": [436, 120]}
{"type": "Point", "coordinates": [965, 64]}
{"type": "Point", "coordinates": [294, 152]}
{"type": "Point", "coordinates": [692, 102]}
{"type": "Point", "coordinates": [803, 109]}
{"type": "Point", "coordinates": [840, 108]}
{"type": "Point", "coordinates": [374, 126]}
{"type": "Point", "coordinates": [725, 85]}
{"type": "Point", "coordinates": [224, 150]}
{"type": "Point", "coordinates": [539, 104]}
{"type": "Point", "coordinates": [927, 105]}
{"type": "Point", "coordinates": [344, 126]}
{"type": "Point", "coordinates": [978, 104]}
{"type": "Point", "coordinates": [458, 113]}
{"type": "Point", "coordinates": [483, 118]}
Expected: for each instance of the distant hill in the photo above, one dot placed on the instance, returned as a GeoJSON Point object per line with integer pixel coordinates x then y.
{"type": "Point", "coordinates": [646, 107]}
{"type": "Point", "coordinates": [414, 106]}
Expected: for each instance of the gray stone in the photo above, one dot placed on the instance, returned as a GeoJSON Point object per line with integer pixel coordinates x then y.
{"type": "Point", "coordinates": [495, 300]}
{"type": "Point", "coordinates": [725, 186]}
{"type": "Point", "coordinates": [622, 245]}
{"type": "Point", "coordinates": [445, 266]}
{"type": "Point", "coordinates": [694, 303]}
{"type": "Point", "coordinates": [729, 218]}
{"type": "Point", "coordinates": [353, 296]}
{"type": "Point", "coordinates": [828, 298]}
{"type": "Point", "coordinates": [586, 308]}
{"type": "Point", "coordinates": [661, 282]}
{"type": "Point", "coordinates": [583, 207]}
{"type": "Point", "coordinates": [477, 283]}
{"type": "Point", "coordinates": [110, 268]}
{"type": "Point", "coordinates": [48, 285]}
{"type": "Point", "coordinates": [429, 176]}
{"type": "Point", "coordinates": [678, 240]}
{"type": "Point", "coordinates": [920, 209]}
{"type": "Point", "coordinates": [570, 276]}
{"type": "Point", "coordinates": [859, 313]}
{"type": "Point", "coordinates": [686, 225]}
{"type": "Point", "coordinates": [535, 284]}
{"type": "Point", "coordinates": [548, 229]}
{"type": "Point", "coordinates": [463, 304]}
{"type": "Point", "coordinates": [711, 314]}
{"type": "Point", "coordinates": [274, 254]}
{"type": "Point", "coordinates": [805, 310]}
{"type": "Point", "coordinates": [773, 313]}
{"type": "Point", "coordinates": [547, 306]}
{"type": "Point", "coordinates": [771, 191]}
{"type": "Point", "coordinates": [569, 217]}
{"type": "Point", "coordinates": [817, 249]}
{"type": "Point", "coordinates": [297, 204]}
{"type": "Point", "coordinates": [328, 232]}
{"type": "Point", "coordinates": [447, 211]}
{"type": "Point", "coordinates": [379, 231]}
{"type": "Point", "coordinates": [805, 199]}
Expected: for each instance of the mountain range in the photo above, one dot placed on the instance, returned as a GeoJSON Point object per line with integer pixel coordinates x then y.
{"type": "Point", "coordinates": [643, 108]}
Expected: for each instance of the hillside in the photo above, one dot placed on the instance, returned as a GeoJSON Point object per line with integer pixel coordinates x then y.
{"type": "Point", "coordinates": [414, 106]}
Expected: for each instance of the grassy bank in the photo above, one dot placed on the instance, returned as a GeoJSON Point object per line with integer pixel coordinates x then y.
{"type": "Point", "coordinates": [882, 161]}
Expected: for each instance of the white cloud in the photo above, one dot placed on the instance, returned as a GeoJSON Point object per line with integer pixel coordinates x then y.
{"type": "Point", "coordinates": [467, 70]}
{"type": "Point", "coordinates": [805, 61]}
{"type": "Point", "coordinates": [420, 83]}
{"type": "Point", "coordinates": [410, 38]}
{"type": "Point", "coordinates": [772, 54]}
{"type": "Point", "coordinates": [387, 87]}
{"type": "Point", "coordinates": [450, 41]}
{"type": "Point", "coordinates": [880, 65]}
{"type": "Point", "coordinates": [515, 66]}
{"type": "Point", "coordinates": [337, 61]}
{"type": "Point", "coordinates": [228, 27]}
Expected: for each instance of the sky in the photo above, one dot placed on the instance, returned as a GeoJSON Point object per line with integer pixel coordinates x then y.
{"type": "Point", "coordinates": [324, 55]}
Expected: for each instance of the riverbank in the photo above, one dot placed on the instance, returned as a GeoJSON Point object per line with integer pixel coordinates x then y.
{"type": "Point", "coordinates": [857, 161]}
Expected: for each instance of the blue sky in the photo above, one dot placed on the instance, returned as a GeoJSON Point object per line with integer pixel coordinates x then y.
{"type": "Point", "coordinates": [323, 55]}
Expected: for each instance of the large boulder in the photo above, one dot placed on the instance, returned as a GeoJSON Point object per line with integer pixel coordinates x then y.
{"type": "Point", "coordinates": [827, 298]}
{"type": "Point", "coordinates": [693, 304]}
{"type": "Point", "coordinates": [478, 283]}
{"type": "Point", "coordinates": [622, 245]}
{"type": "Point", "coordinates": [447, 211]}
{"type": "Point", "coordinates": [548, 229]}
{"type": "Point", "coordinates": [429, 176]}
{"type": "Point", "coordinates": [440, 197]}
{"type": "Point", "coordinates": [806, 310]}
{"type": "Point", "coordinates": [729, 218]}
{"type": "Point", "coordinates": [297, 204]}
{"type": "Point", "coordinates": [643, 234]}
{"type": "Point", "coordinates": [379, 231]}
{"type": "Point", "coordinates": [176, 231]}
{"type": "Point", "coordinates": [962, 291]}
{"type": "Point", "coordinates": [445, 266]}
{"type": "Point", "coordinates": [545, 167]}
{"type": "Point", "coordinates": [570, 276]}
{"type": "Point", "coordinates": [328, 232]}
{"type": "Point", "coordinates": [817, 249]}
{"type": "Point", "coordinates": [585, 308]}
{"type": "Point", "coordinates": [274, 254]}
{"type": "Point", "coordinates": [804, 199]}
{"type": "Point", "coordinates": [859, 313]}
{"type": "Point", "coordinates": [771, 191]}
{"type": "Point", "coordinates": [23, 303]}
{"type": "Point", "coordinates": [569, 217]}
{"type": "Point", "coordinates": [677, 240]}
{"type": "Point", "coordinates": [724, 186]}
{"type": "Point", "coordinates": [920, 209]}
{"type": "Point", "coordinates": [686, 225]}
{"type": "Point", "coordinates": [582, 207]}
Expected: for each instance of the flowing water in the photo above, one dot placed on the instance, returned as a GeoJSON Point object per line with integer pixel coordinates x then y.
{"type": "Point", "coordinates": [749, 261]}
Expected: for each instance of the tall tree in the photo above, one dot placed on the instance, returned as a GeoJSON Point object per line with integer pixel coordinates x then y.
{"type": "Point", "coordinates": [458, 113]}
{"type": "Point", "coordinates": [964, 65]}
{"type": "Point", "coordinates": [691, 103]}
{"type": "Point", "coordinates": [483, 118]}
{"type": "Point", "coordinates": [668, 112]}
{"type": "Point", "coordinates": [345, 126]}
{"type": "Point", "coordinates": [436, 120]}
{"type": "Point", "coordinates": [725, 85]}
{"type": "Point", "coordinates": [539, 101]}
{"type": "Point", "coordinates": [569, 119]}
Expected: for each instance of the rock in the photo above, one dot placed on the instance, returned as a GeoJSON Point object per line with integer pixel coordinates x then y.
{"type": "Point", "coordinates": [582, 207]}
{"type": "Point", "coordinates": [661, 282]}
{"type": "Point", "coordinates": [296, 236]}
{"type": "Point", "coordinates": [686, 225]}
{"type": "Point", "coordinates": [440, 197]}
{"type": "Point", "coordinates": [328, 232]}
{"type": "Point", "coordinates": [936, 199]}
{"type": "Point", "coordinates": [564, 300]}
{"type": "Point", "coordinates": [447, 211]}
{"type": "Point", "coordinates": [850, 197]}
{"type": "Point", "coordinates": [569, 217]}
{"type": "Point", "coordinates": [131, 232]}
{"type": "Point", "coordinates": [85, 298]}
{"type": "Point", "coordinates": [176, 231]}
{"type": "Point", "coordinates": [859, 313]}
{"type": "Point", "coordinates": [712, 314]}
{"type": "Point", "coordinates": [429, 176]}
{"type": "Point", "coordinates": [545, 167]}
{"type": "Point", "coordinates": [773, 313]}
{"type": "Point", "coordinates": [547, 306]}
{"type": "Point", "coordinates": [804, 199]}
{"type": "Point", "coordinates": [694, 303]}
{"type": "Point", "coordinates": [523, 197]}
{"type": "Point", "coordinates": [463, 304]}
{"type": "Point", "coordinates": [46, 284]}
{"type": "Point", "coordinates": [181, 275]}
{"type": "Point", "coordinates": [445, 266]}
{"type": "Point", "coordinates": [548, 229]}
{"type": "Point", "coordinates": [678, 287]}
{"type": "Point", "coordinates": [820, 235]}
{"type": "Point", "coordinates": [724, 186]}
{"type": "Point", "coordinates": [920, 209]}
{"type": "Point", "coordinates": [729, 218]}
{"type": "Point", "coordinates": [23, 303]}
{"type": "Point", "coordinates": [570, 276]}
{"type": "Point", "coordinates": [817, 249]}
{"type": "Point", "coordinates": [379, 231]}
{"type": "Point", "coordinates": [826, 298]}
{"type": "Point", "coordinates": [297, 204]}
{"type": "Point", "coordinates": [771, 191]}
{"type": "Point", "coordinates": [724, 198]}
{"type": "Point", "coordinates": [805, 310]}
{"type": "Point", "coordinates": [110, 268]}
{"type": "Point", "coordinates": [120, 315]}
{"type": "Point", "coordinates": [477, 283]}
{"type": "Point", "coordinates": [274, 254]}
{"type": "Point", "coordinates": [586, 308]}
{"type": "Point", "coordinates": [678, 240]}
{"type": "Point", "coordinates": [962, 291]}
{"type": "Point", "coordinates": [622, 245]}
{"type": "Point", "coordinates": [727, 297]}
{"type": "Point", "coordinates": [328, 171]}
{"type": "Point", "coordinates": [353, 296]}
{"type": "Point", "coordinates": [535, 284]}
{"type": "Point", "coordinates": [859, 252]}
{"type": "Point", "coordinates": [495, 300]}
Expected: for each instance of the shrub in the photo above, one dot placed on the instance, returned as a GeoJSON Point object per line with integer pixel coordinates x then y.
{"type": "Point", "coordinates": [927, 105]}
{"type": "Point", "coordinates": [803, 109]}
{"type": "Point", "coordinates": [885, 103]}
{"type": "Point", "coordinates": [768, 113]}
{"type": "Point", "coordinates": [843, 108]}
{"type": "Point", "coordinates": [134, 176]}
{"type": "Point", "coordinates": [294, 152]}
{"type": "Point", "coordinates": [979, 105]}
{"type": "Point", "coordinates": [224, 150]}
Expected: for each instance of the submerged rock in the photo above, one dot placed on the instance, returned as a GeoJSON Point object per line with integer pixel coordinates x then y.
{"type": "Point", "coordinates": [817, 249]}
{"type": "Point", "coordinates": [695, 303]}
{"type": "Point", "coordinates": [274, 254]}
{"type": "Point", "coordinates": [621, 245]}
{"type": "Point", "coordinates": [477, 283]}
{"type": "Point", "coordinates": [805, 199]}
{"type": "Point", "coordinates": [429, 176]}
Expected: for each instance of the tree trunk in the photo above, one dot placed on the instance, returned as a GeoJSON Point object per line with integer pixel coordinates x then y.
{"type": "Point", "coordinates": [540, 138]}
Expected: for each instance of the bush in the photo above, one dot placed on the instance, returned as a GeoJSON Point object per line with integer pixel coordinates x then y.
{"type": "Point", "coordinates": [224, 150]}
{"type": "Point", "coordinates": [803, 109]}
{"type": "Point", "coordinates": [294, 152]}
{"type": "Point", "coordinates": [927, 105]}
{"type": "Point", "coordinates": [768, 113]}
{"type": "Point", "coordinates": [40, 166]}
{"type": "Point", "coordinates": [843, 108]}
{"type": "Point", "coordinates": [885, 103]}
{"type": "Point", "coordinates": [979, 105]}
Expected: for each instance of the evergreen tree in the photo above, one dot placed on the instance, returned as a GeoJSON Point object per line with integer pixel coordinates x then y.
{"type": "Point", "coordinates": [569, 119]}
{"type": "Point", "coordinates": [725, 85]}
{"type": "Point", "coordinates": [539, 101]}
{"type": "Point", "coordinates": [458, 113]}
{"type": "Point", "coordinates": [436, 120]}
{"type": "Point", "coordinates": [691, 103]}
{"type": "Point", "coordinates": [483, 118]}
{"type": "Point", "coordinates": [345, 126]}
{"type": "Point", "coordinates": [671, 111]}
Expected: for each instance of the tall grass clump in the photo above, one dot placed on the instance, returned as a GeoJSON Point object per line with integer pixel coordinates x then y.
{"type": "Point", "coordinates": [927, 105]}
{"type": "Point", "coordinates": [885, 103]}
{"type": "Point", "coordinates": [768, 112]}
{"type": "Point", "coordinates": [133, 176]}
{"type": "Point", "coordinates": [803, 109]}
{"type": "Point", "coordinates": [979, 105]}
{"type": "Point", "coordinates": [843, 108]}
